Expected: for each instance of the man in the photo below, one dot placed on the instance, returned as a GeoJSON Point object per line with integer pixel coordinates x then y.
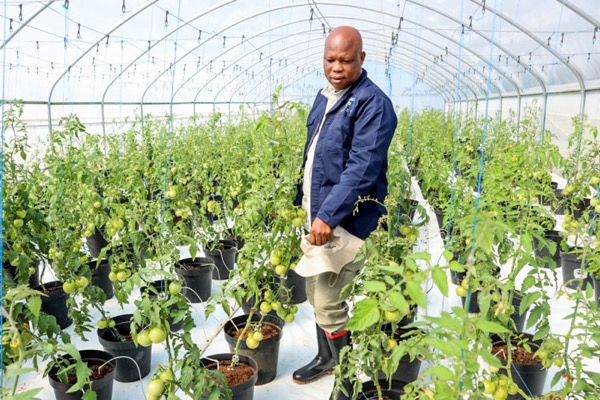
{"type": "Point", "coordinates": [350, 128]}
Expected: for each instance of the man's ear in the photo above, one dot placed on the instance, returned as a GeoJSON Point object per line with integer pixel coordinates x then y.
{"type": "Point", "coordinates": [362, 57]}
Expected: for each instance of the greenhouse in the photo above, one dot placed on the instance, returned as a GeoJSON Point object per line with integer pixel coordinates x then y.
{"type": "Point", "coordinates": [199, 196]}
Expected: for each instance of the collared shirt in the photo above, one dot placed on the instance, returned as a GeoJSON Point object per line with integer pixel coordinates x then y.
{"type": "Point", "coordinates": [332, 97]}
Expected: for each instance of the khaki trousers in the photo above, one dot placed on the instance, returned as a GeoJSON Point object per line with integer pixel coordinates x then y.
{"type": "Point", "coordinates": [323, 292]}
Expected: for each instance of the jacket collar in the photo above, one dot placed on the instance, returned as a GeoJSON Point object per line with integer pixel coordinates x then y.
{"type": "Point", "coordinates": [350, 92]}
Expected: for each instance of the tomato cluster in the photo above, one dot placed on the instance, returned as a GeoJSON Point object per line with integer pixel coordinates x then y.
{"type": "Point", "coordinates": [499, 387]}
{"type": "Point", "coordinates": [161, 385]}
{"type": "Point", "coordinates": [75, 285]}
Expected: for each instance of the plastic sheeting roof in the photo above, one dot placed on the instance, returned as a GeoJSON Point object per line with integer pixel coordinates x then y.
{"type": "Point", "coordinates": [240, 51]}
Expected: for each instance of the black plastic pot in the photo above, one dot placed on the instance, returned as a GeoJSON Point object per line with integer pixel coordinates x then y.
{"type": "Point", "coordinates": [55, 303]}
{"type": "Point", "coordinates": [10, 274]}
{"type": "Point", "coordinates": [267, 353]}
{"type": "Point", "coordinates": [100, 277]}
{"type": "Point", "coordinates": [543, 254]}
{"type": "Point", "coordinates": [197, 273]}
{"type": "Point", "coordinates": [96, 242]}
{"type": "Point", "coordinates": [103, 386]}
{"type": "Point", "coordinates": [596, 289]}
{"type": "Point", "coordinates": [439, 216]}
{"type": "Point", "coordinates": [224, 257]}
{"type": "Point", "coordinates": [573, 276]}
{"type": "Point", "coordinates": [126, 370]}
{"type": "Point", "coordinates": [530, 378]}
{"type": "Point", "coordinates": [408, 370]}
{"type": "Point", "coordinates": [395, 391]}
{"type": "Point", "coordinates": [297, 286]}
{"type": "Point", "coordinates": [160, 288]}
{"type": "Point", "coordinates": [242, 391]}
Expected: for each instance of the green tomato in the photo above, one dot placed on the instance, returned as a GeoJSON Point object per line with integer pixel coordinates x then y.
{"type": "Point", "coordinates": [69, 287]}
{"type": "Point", "coordinates": [251, 343]}
{"type": "Point", "coordinates": [102, 324]}
{"type": "Point", "coordinates": [595, 180]}
{"type": "Point", "coordinates": [166, 376]}
{"type": "Point", "coordinates": [280, 269]}
{"type": "Point", "coordinates": [298, 222]}
{"type": "Point", "coordinates": [155, 387]}
{"type": "Point", "coordinates": [265, 307]}
{"type": "Point", "coordinates": [461, 291]}
{"type": "Point", "coordinates": [143, 338]}
{"type": "Point", "coordinates": [157, 334]}
{"type": "Point", "coordinates": [392, 316]}
{"type": "Point", "coordinates": [275, 259]}
{"type": "Point", "coordinates": [257, 335]}
{"type": "Point", "coordinates": [175, 288]}
{"type": "Point", "coordinates": [17, 223]}
{"type": "Point", "coordinates": [21, 214]}
{"type": "Point", "coordinates": [489, 387]}
{"type": "Point", "coordinates": [122, 276]}
{"type": "Point", "coordinates": [500, 394]}
{"type": "Point", "coordinates": [276, 305]}
{"type": "Point", "coordinates": [289, 318]}
{"type": "Point", "coordinates": [82, 282]}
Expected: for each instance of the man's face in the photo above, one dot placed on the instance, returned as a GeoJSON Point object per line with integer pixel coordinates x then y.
{"type": "Point", "coordinates": [342, 62]}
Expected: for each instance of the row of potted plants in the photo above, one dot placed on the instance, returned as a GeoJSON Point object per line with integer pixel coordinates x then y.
{"type": "Point", "coordinates": [144, 193]}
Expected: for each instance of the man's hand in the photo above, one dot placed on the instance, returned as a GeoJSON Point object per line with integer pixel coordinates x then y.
{"type": "Point", "coordinates": [320, 232]}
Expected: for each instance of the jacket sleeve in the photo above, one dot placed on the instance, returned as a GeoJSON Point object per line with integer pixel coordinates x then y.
{"type": "Point", "coordinates": [373, 132]}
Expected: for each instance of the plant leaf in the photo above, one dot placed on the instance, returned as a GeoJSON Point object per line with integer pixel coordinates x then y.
{"type": "Point", "coordinates": [374, 286]}
{"type": "Point", "coordinates": [440, 279]}
{"type": "Point", "coordinates": [416, 293]}
{"type": "Point", "coordinates": [366, 313]}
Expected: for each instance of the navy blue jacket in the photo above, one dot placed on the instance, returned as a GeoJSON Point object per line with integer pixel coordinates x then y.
{"type": "Point", "coordinates": [351, 157]}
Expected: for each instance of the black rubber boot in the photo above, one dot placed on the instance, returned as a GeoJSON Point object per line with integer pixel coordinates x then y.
{"type": "Point", "coordinates": [336, 343]}
{"type": "Point", "coordinates": [322, 364]}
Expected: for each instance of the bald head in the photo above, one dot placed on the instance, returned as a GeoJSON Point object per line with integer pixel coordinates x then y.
{"type": "Point", "coordinates": [343, 57]}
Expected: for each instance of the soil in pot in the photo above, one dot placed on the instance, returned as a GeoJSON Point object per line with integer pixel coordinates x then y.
{"type": "Point", "coordinates": [120, 343]}
{"type": "Point", "coordinates": [55, 302]}
{"type": "Point", "coordinates": [197, 273]}
{"type": "Point", "coordinates": [102, 376]}
{"type": "Point", "coordinates": [240, 379]}
{"type": "Point", "coordinates": [528, 372]}
{"type": "Point", "coordinates": [224, 255]}
{"type": "Point", "coordinates": [266, 354]}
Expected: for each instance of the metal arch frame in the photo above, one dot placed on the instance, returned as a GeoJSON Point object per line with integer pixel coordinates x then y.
{"type": "Point", "coordinates": [435, 45]}
{"type": "Point", "coordinates": [174, 30]}
{"type": "Point", "coordinates": [422, 26]}
{"type": "Point", "coordinates": [306, 41]}
{"type": "Point", "coordinates": [580, 12]}
{"type": "Point", "coordinates": [573, 69]}
{"type": "Point", "coordinates": [283, 49]}
{"type": "Point", "coordinates": [400, 63]}
{"type": "Point", "coordinates": [206, 40]}
{"type": "Point", "coordinates": [257, 14]}
{"type": "Point", "coordinates": [437, 82]}
{"type": "Point", "coordinates": [135, 13]}
{"type": "Point", "coordinates": [468, 49]}
{"type": "Point", "coordinates": [24, 24]}
{"type": "Point", "coordinates": [496, 44]}
{"type": "Point", "coordinates": [434, 82]}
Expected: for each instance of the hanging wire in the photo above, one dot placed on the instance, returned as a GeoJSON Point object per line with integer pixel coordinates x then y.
{"type": "Point", "coordinates": [20, 12]}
